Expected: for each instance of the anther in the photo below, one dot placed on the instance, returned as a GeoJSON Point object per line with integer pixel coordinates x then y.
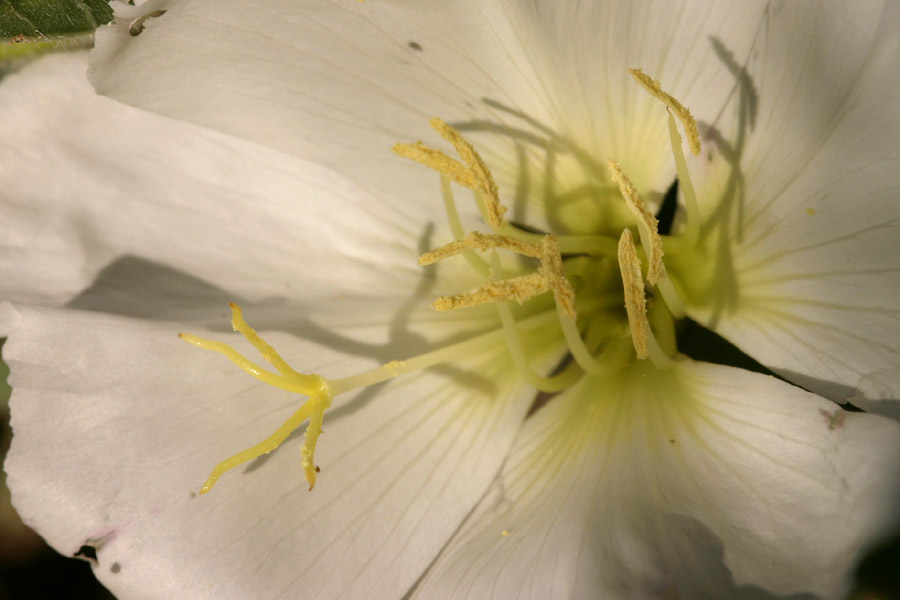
{"type": "Point", "coordinates": [684, 115]}
{"type": "Point", "coordinates": [635, 301]}
{"type": "Point", "coordinates": [647, 223]}
{"type": "Point", "coordinates": [470, 156]}
{"type": "Point", "coordinates": [520, 289]}
{"type": "Point", "coordinates": [480, 241]}
{"type": "Point", "coordinates": [437, 160]}
{"type": "Point", "coordinates": [555, 274]}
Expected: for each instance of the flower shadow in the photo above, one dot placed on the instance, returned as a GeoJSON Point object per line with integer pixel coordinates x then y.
{"type": "Point", "coordinates": [725, 220]}
{"type": "Point", "coordinates": [538, 178]}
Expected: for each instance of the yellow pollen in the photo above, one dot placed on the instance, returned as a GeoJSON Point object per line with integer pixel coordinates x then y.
{"type": "Point", "coordinates": [684, 115]}
{"type": "Point", "coordinates": [635, 301]}
{"type": "Point", "coordinates": [520, 289]}
{"type": "Point", "coordinates": [549, 276]}
{"type": "Point", "coordinates": [437, 160]}
{"type": "Point", "coordinates": [555, 275]}
{"type": "Point", "coordinates": [477, 168]}
{"type": "Point", "coordinates": [647, 223]}
{"type": "Point", "coordinates": [480, 241]}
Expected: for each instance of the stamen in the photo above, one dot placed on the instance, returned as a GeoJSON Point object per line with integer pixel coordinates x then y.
{"type": "Point", "coordinates": [555, 274]}
{"type": "Point", "coordinates": [477, 168]}
{"type": "Point", "coordinates": [556, 383]}
{"type": "Point", "coordinates": [437, 160]}
{"type": "Point", "coordinates": [550, 275]}
{"type": "Point", "coordinates": [684, 115]}
{"type": "Point", "coordinates": [635, 301]}
{"type": "Point", "coordinates": [520, 289]}
{"type": "Point", "coordinates": [475, 175]}
{"type": "Point", "coordinates": [481, 241]}
{"type": "Point", "coordinates": [647, 223]}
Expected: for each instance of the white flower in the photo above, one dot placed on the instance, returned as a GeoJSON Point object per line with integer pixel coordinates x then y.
{"type": "Point", "coordinates": [695, 480]}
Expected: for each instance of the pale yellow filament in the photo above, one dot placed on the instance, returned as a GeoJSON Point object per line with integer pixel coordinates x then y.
{"type": "Point", "coordinates": [555, 383]}
{"type": "Point", "coordinates": [478, 264]}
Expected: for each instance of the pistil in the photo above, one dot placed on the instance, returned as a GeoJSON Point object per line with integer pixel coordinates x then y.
{"type": "Point", "coordinates": [597, 340]}
{"type": "Point", "coordinates": [321, 391]}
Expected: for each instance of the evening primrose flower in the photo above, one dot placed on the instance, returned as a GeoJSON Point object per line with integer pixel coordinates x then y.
{"type": "Point", "coordinates": [646, 474]}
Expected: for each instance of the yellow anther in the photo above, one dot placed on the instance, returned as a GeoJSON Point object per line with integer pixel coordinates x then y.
{"type": "Point", "coordinates": [550, 275]}
{"type": "Point", "coordinates": [635, 301]}
{"type": "Point", "coordinates": [316, 387]}
{"type": "Point", "coordinates": [684, 115]}
{"type": "Point", "coordinates": [555, 274]}
{"type": "Point", "coordinates": [437, 160]}
{"type": "Point", "coordinates": [647, 223]}
{"type": "Point", "coordinates": [480, 241]}
{"type": "Point", "coordinates": [470, 156]}
{"type": "Point", "coordinates": [520, 289]}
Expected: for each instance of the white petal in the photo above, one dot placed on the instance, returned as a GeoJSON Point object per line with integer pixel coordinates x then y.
{"type": "Point", "coordinates": [87, 183]}
{"type": "Point", "coordinates": [340, 82]}
{"type": "Point", "coordinates": [117, 424]}
{"type": "Point", "coordinates": [810, 286]}
{"type": "Point", "coordinates": [700, 482]}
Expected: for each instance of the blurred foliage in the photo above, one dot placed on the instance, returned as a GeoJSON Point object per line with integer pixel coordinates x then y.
{"type": "Point", "coordinates": [32, 27]}
{"type": "Point", "coordinates": [33, 19]}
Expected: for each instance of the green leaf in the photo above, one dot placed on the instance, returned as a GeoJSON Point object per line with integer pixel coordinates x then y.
{"type": "Point", "coordinates": [29, 28]}
{"type": "Point", "coordinates": [41, 20]}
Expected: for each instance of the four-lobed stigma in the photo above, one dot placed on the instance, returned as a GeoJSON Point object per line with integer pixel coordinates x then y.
{"type": "Point", "coordinates": [587, 277]}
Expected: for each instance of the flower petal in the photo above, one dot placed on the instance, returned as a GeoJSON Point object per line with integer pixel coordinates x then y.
{"type": "Point", "coordinates": [698, 482]}
{"type": "Point", "coordinates": [807, 230]}
{"type": "Point", "coordinates": [87, 181]}
{"type": "Point", "coordinates": [117, 423]}
{"type": "Point", "coordinates": [339, 82]}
